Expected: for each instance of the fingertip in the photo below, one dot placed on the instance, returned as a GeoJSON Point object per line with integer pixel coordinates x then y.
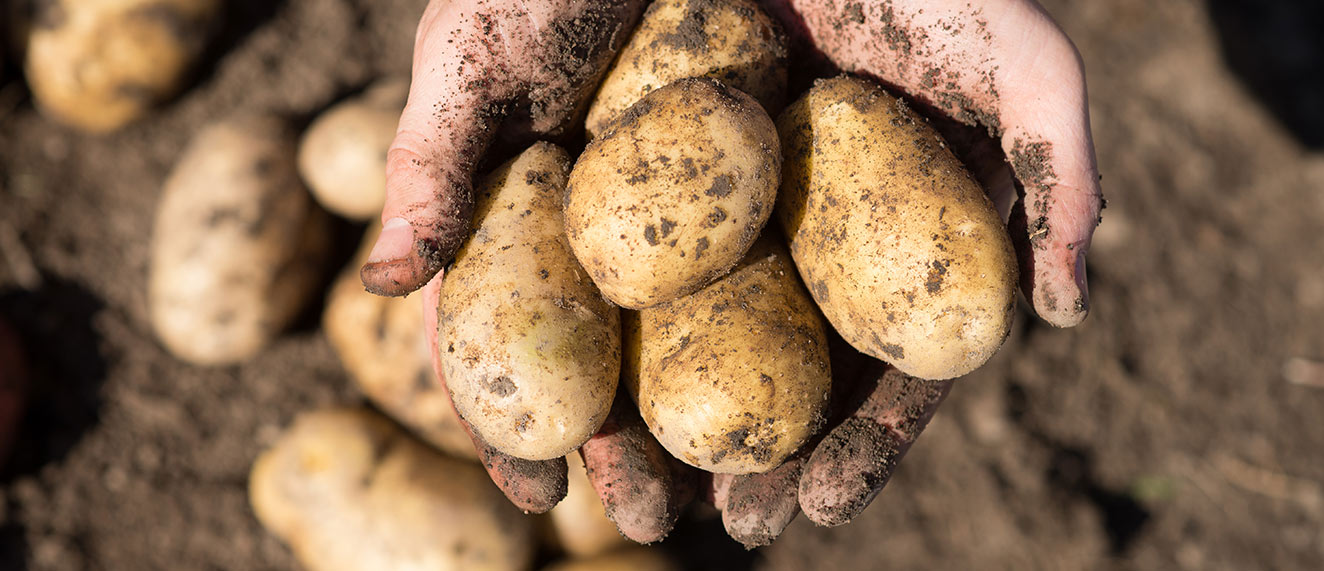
{"type": "Point", "coordinates": [403, 263]}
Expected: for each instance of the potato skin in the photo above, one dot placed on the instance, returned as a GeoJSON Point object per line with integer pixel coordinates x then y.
{"type": "Point", "coordinates": [733, 41]}
{"type": "Point", "coordinates": [529, 347]}
{"type": "Point", "coordinates": [99, 64]}
{"type": "Point", "coordinates": [347, 490]}
{"type": "Point", "coordinates": [733, 378]}
{"type": "Point", "coordinates": [342, 156]}
{"type": "Point", "coordinates": [238, 245]}
{"type": "Point", "coordinates": [380, 341]}
{"type": "Point", "coordinates": [898, 244]}
{"type": "Point", "coordinates": [673, 193]}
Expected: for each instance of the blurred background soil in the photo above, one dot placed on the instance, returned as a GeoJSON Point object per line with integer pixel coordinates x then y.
{"type": "Point", "coordinates": [1177, 428]}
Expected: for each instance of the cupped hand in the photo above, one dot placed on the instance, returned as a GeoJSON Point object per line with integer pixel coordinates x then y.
{"type": "Point", "coordinates": [1001, 65]}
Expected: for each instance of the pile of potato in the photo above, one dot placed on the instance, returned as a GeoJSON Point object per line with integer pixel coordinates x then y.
{"type": "Point", "coordinates": [644, 263]}
{"type": "Point", "coordinates": [724, 348]}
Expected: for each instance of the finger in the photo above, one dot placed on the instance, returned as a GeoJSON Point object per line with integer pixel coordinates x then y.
{"type": "Point", "coordinates": [758, 507]}
{"type": "Point", "coordinates": [455, 102]}
{"type": "Point", "coordinates": [715, 489]}
{"type": "Point", "coordinates": [1004, 65]}
{"type": "Point", "coordinates": [632, 475]}
{"type": "Point", "coordinates": [853, 463]}
{"type": "Point", "coordinates": [533, 486]}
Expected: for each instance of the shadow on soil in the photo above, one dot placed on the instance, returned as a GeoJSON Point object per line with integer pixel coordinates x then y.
{"type": "Point", "coordinates": [1275, 47]}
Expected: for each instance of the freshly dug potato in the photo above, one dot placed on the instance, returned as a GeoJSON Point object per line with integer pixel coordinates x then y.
{"type": "Point", "coordinates": [899, 246]}
{"type": "Point", "coordinates": [633, 558]}
{"type": "Point", "coordinates": [529, 347]}
{"type": "Point", "coordinates": [99, 64]}
{"type": "Point", "coordinates": [347, 490]}
{"type": "Point", "coordinates": [729, 40]}
{"type": "Point", "coordinates": [673, 193]}
{"type": "Point", "coordinates": [380, 340]}
{"type": "Point", "coordinates": [343, 154]}
{"type": "Point", "coordinates": [733, 378]}
{"type": "Point", "coordinates": [238, 246]}
{"type": "Point", "coordinates": [579, 522]}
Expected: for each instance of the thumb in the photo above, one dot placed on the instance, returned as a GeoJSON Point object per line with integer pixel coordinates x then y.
{"type": "Point", "coordinates": [447, 124]}
{"type": "Point", "coordinates": [1047, 140]}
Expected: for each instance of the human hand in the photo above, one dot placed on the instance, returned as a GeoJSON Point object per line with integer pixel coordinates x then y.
{"type": "Point", "coordinates": [1002, 65]}
{"type": "Point", "coordinates": [998, 63]}
{"type": "Point", "coordinates": [482, 69]}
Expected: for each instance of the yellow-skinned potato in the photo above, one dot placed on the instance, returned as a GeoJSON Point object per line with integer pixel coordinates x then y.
{"type": "Point", "coordinates": [529, 347]}
{"type": "Point", "coordinates": [343, 154]}
{"type": "Point", "coordinates": [579, 522]}
{"type": "Point", "coordinates": [238, 246]}
{"type": "Point", "coordinates": [733, 41]}
{"type": "Point", "coordinates": [673, 193]}
{"type": "Point", "coordinates": [99, 64]}
{"type": "Point", "coordinates": [381, 343]}
{"type": "Point", "coordinates": [633, 558]}
{"type": "Point", "coordinates": [733, 378]}
{"type": "Point", "coordinates": [898, 244]}
{"type": "Point", "coordinates": [348, 490]}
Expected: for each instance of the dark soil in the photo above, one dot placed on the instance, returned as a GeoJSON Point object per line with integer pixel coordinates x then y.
{"type": "Point", "coordinates": [1160, 434]}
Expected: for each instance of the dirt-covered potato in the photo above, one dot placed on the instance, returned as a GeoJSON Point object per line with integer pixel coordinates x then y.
{"type": "Point", "coordinates": [673, 193]}
{"type": "Point", "coordinates": [898, 244]}
{"type": "Point", "coordinates": [579, 523]}
{"type": "Point", "coordinates": [730, 40]}
{"type": "Point", "coordinates": [348, 490]}
{"type": "Point", "coordinates": [381, 343]}
{"type": "Point", "coordinates": [733, 378]}
{"type": "Point", "coordinates": [529, 347]}
{"type": "Point", "coordinates": [633, 558]}
{"type": "Point", "coordinates": [238, 246]}
{"type": "Point", "coordinates": [99, 64]}
{"type": "Point", "coordinates": [343, 154]}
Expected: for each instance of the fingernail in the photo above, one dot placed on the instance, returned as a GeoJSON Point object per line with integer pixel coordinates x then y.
{"type": "Point", "coordinates": [1081, 282]}
{"type": "Point", "coordinates": [395, 241]}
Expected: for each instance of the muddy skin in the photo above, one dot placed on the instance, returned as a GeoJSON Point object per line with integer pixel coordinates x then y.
{"type": "Point", "coordinates": [758, 507]}
{"type": "Point", "coordinates": [856, 459]}
{"type": "Point", "coordinates": [534, 486]}
{"type": "Point", "coordinates": [640, 485]}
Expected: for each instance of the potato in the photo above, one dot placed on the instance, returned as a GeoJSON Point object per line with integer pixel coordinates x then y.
{"type": "Point", "coordinates": [381, 343]}
{"type": "Point", "coordinates": [673, 193]}
{"type": "Point", "coordinates": [343, 154]}
{"type": "Point", "coordinates": [733, 41]}
{"type": "Point", "coordinates": [348, 490]}
{"type": "Point", "coordinates": [238, 245]}
{"type": "Point", "coordinates": [633, 558]}
{"type": "Point", "coordinates": [529, 348]}
{"type": "Point", "coordinates": [99, 64]}
{"type": "Point", "coordinates": [733, 378]}
{"type": "Point", "coordinates": [579, 523]}
{"type": "Point", "coordinates": [899, 245]}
